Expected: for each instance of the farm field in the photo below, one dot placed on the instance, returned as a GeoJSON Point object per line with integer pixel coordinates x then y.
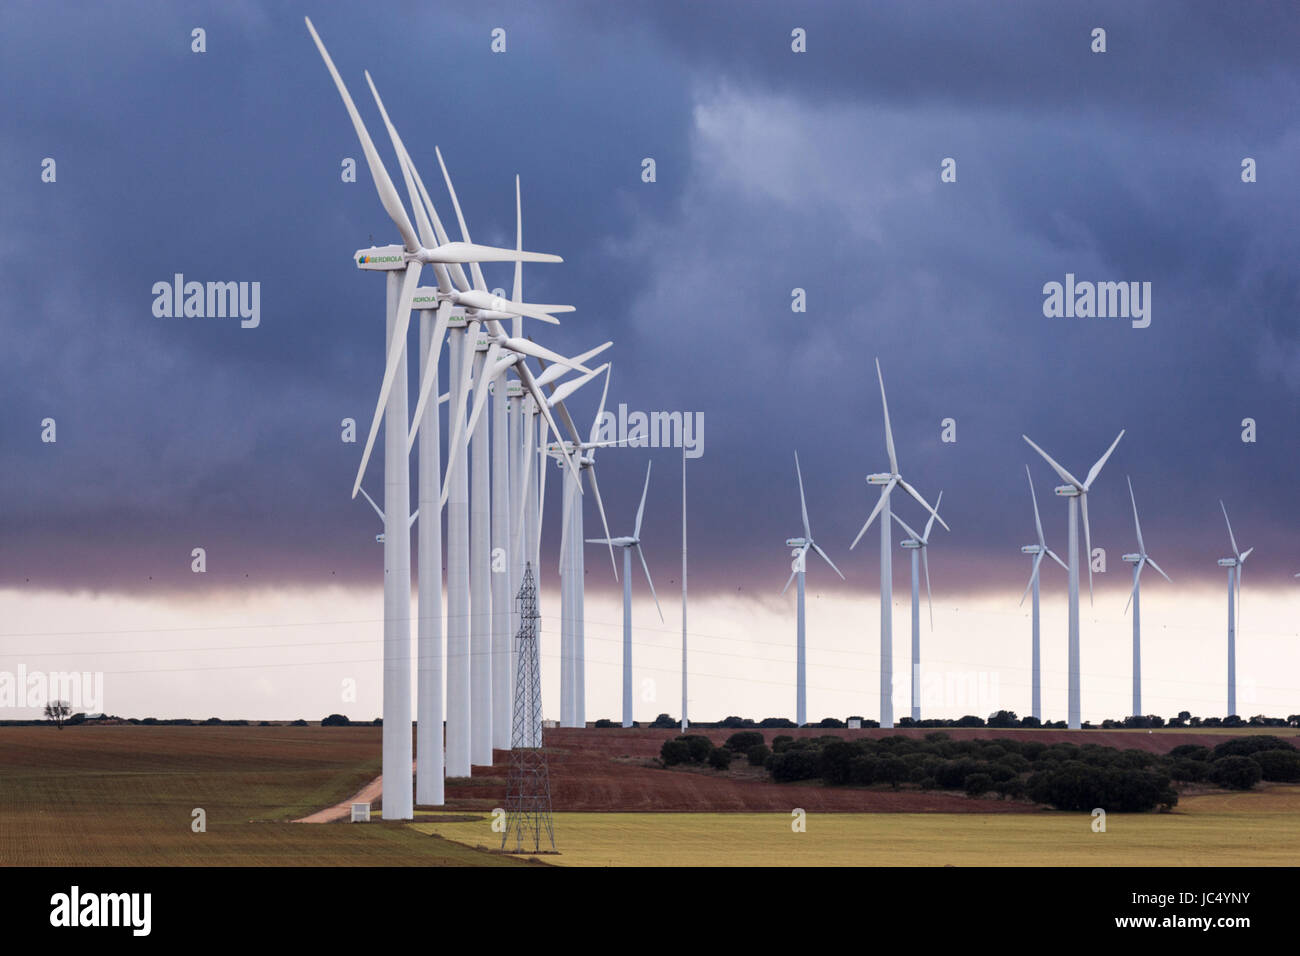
{"type": "Point", "coordinates": [1238, 829]}
{"type": "Point", "coordinates": [123, 796]}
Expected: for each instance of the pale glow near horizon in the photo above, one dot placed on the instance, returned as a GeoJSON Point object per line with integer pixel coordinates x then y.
{"type": "Point", "coordinates": [286, 654]}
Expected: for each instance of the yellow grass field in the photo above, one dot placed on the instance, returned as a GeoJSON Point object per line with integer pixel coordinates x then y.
{"type": "Point", "coordinates": [1237, 829]}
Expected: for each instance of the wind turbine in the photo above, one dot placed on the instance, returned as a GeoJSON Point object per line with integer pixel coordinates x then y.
{"type": "Point", "coordinates": [886, 481]}
{"type": "Point", "coordinates": [1139, 560]}
{"type": "Point", "coordinates": [629, 544]}
{"type": "Point", "coordinates": [919, 545]}
{"type": "Point", "coordinates": [1077, 492]}
{"type": "Point", "coordinates": [798, 566]}
{"type": "Point", "coordinates": [1235, 565]}
{"type": "Point", "coordinates": [1037, 550]}
{"type": "Point", "coordinates": [581, 457]}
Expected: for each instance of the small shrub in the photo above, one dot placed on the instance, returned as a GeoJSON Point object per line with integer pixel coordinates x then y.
{"type": "Point", "coordinates": [758, 755]}
{"type": "Point", "coordinates": [720, 758]}
{"type": "Point", "coordinates": [674, 752]}
{"type": "Point", "coordinates": [742, 741]}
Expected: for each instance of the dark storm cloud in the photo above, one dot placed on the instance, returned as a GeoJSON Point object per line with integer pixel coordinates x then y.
{"type": "Point", "coordinates": [775, 171]}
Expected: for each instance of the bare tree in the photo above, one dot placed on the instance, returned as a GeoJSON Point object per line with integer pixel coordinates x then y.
{"type": "Point", "coordinates": [58, 711]}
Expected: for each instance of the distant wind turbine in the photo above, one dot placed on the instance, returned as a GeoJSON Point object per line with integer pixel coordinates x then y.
{"type": "Point", "coordinates": [798, 566]}
{"type": "Point", "coordinates": [886, 481]}
{"type": "Point", "coordinates": [1235, 564]}
{"type": "Point", "coordinates": [1139, 560]}
{"type": "Point", "coordinates": [628, 545]}
{"type": "Point", "coordinates": [1038, 551]}
{"type": "Point", "coordinates": [919, 545]}
{"type": "Point", "coordinates": [1077, 492]}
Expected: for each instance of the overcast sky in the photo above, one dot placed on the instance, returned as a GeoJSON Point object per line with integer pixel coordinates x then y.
{"type": "Point", "coordinates": [775, 171]}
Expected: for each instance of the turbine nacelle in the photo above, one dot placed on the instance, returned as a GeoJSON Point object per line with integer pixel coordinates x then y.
{"type": "Point", "coordinates": [796, 542]}
{"type": "Point", "coordinates": [1131, 558]}
{"type": "Point", "coordinates": [1031, 549]}
{"type": "Point", "coordinates": [1066, 491]}
{"type": "Point", "coordinates": [381, 258]}
{"type": "Point", "coordinates": [1227, 562]}
{"type": "Point", "coordinates": [882, 478]}
{"type": "Point", "coordinates": [911, 544]}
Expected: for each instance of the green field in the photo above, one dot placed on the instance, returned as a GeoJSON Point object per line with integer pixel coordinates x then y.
{"type": "Point", "coordinates": [1239, 829]}
{"type": "Point", "coordinates": [123, 796]}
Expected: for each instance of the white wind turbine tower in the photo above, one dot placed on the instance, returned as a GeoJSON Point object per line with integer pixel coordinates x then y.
{"type": "Point", "coordinates": [798, 566]}
{"type": "Point", "coordinates": [409, 257]}
{"type": "Point", "coordinates": [919, 545]}
{"type": "Point", "coordinates": [628, 544]}
{"type": "Point", "coordinates": [1038, 551]}
{"type": "Point", "coordinates": [886, 481]}
{"type": "Point", "coordinates": [1235, 564]}
{"type": "Point", "coordinates": [1077, 492]}
{"type": "Point", "coordinates": [1139, 560]}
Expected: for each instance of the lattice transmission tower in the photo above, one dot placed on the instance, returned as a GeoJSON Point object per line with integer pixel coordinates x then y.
{"type": "Point", "coordinates": [528, 788]}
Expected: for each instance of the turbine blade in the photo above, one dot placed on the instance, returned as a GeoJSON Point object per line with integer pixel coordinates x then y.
{"type": "Point", "coordinates": [529, 383]}
{"type": "Point", "coordinates": [1057, 558]}
{"type": "Point", "coordinates": [1231, 536]}
{"type": "Point", "coordinates": [906, 527]}
{"type": "Point", "coordinates": [924, 504]}
{"type": "Point", "coordinates": [456, 418]}
{"type": "Point", "coordinates": [1095, 470]}
{"type": "Point", "coordinates": [1038, 521]}
{"type": "Point", "coordinates": [889, 433]}
{"type": "Point", "coordinates": [532, 349]}
{"type": "Point", "coordinates": [600, 412]}
{"type": "Point", "coordinates": [517, 290]}
{"type": "Point", "coordinates": [1136, 578]}
{"type": "Point", "coordinates": [826, 557]}
{"type": "Point", "coordinates": [414, 514]}
{"type": "Point", "coordinates": [1158, 570]}
{"type": "Point", "coordinates": [938, 503]}
{"type": "Point", "coordinates": [640, 511]}
{"type": "Point", "coordinates": [482, 388]}
{"type": "Point", "coordinates": [884, 497]}
{"type": "Point", "coordinates": [431, 369]}
{"type": "Point", "coordinates": [600, 506]}
{"type": "Point", "coordinates": [807, 532]}
{"type": "Point", "coordinates": [788, 580]}
{"type": "Point", "coordinates": [1087, 542]}
{"type": "Point", "coordinates": [396, 354]}
{"type": "Point", "coordinates": [1065, 475]}
{"type": "Point", "coordinates": [474, 269]}
{"type": "Point", "coordinates": [1038, 559]}
{"type": "Point", "coordinates": [1142, 548]}
{"type": "Point", "coordinates": [383, 184]}
{"type": "Point", "coordinates": [565, 389]}
{"type": "Point", "coordinates": [378, 510]}
{"type": "Point", "coordinates": [646, 568]}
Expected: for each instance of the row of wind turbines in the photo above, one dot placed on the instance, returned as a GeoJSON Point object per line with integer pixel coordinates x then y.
{"type": "Point", "coordinates": [493, 485]}
{"type": "Point", "coordinates": [1076, 493]}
